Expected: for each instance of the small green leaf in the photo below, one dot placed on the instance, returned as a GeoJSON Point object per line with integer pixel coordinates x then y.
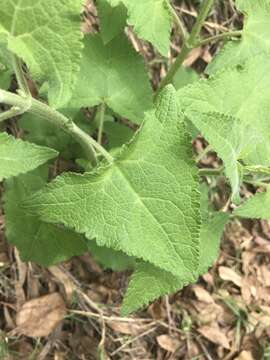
{"type": "Point", "coordinates": [46, 35]}
{"type": "Point", "coordinates": [257, 207]}
{"type": "Point", "coordinates": [184, 76]}
{"type": "Point", "coordinates": [117, 77]}
{"type": "Point", "coordinates": [151, 21]}
{"type": "Point", "coordinates": [255, 38]}
{"type": "Point", "coordinates": [117, 134]}
{"type": "Point", "coordinates": [145, 204]}
{"type": "Point", "coordinates": [36, 241]}
{"type": "Point", "coordinates": [112, 19]}
{"type": "Point", "coordinates": [17, 156]}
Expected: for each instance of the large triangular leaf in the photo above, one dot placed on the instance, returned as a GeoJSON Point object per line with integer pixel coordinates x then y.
{"type": "Point", "coordinates": [46, 35]}
{"type": "Point", "coordinates": [151, 20]}
{"type": "Point", "coordinates": [255, 38]}
{"type": "Point", "coordinates": [43, 243]}
{"type": "Point", "coordinates": [148, 282]}
{"type": "Point", "coordinates": [145, 204]}
{"type": "Point", "coordinates": [113, 74]}
{"type": "Point", "coordinates": [17, 156]}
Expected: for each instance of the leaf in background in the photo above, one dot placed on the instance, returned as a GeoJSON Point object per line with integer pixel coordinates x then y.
{"type": "Point", "coordinates": [17, 156]}
{"type": "Point", "coordinates": [112, 19]}
{"type": "Point", "coordinates": [45, 244]}
{"type": "Point", "coordinates": [255, 38]}
{"type": "Point", "coordinates": [5, 64]}
{"type": "Point", "coordinates": [44, 133]}
{"type": "Point", "coordinates": [185, 76]}
{"type": "Point", "coordinates": [46, 35]}
{"type": "Point", "coordinates": [113, 74]}
{"type": "Point", "coordinates": [257, 207]}
{"type": "Point", "coordinates": [151, 21]}
{"type": "Point", "coordinates": [145, 204]}
{"type": "Point", "coordinates": [118, 134]}
{"type": "Point", "coordinates": [110, 259]}
{"type": "Point", "coordinates": [241, 93]}
{"type": "Point", "coordinates": [148, 282]}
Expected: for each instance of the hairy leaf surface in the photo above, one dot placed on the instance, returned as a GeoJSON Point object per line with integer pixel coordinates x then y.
{"type": "Point", "coordinates": [113, 74]}
{"type": "Point", "coordinates": [46, 35]}
{"type": "Point", "coordinates": [145, 204]}
{"type": "Point", "coordinates": [148, 282]}
{"type": "Point", "coordinates": [43, 243]}
{"type": "Point", "coordinates": [17, 156]}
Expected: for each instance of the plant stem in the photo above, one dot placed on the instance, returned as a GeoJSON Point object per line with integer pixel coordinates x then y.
{"type": "Point", "coordinates": [177, 20]}
{"type": "Point", "coordinates": [22, 82]}
{"type": "Point", "coordinates": [210, 172]}
{"type": "Point", "coordinates": [102, 109]}
{"type": "Point", "coordinates": [188, 45]}
{"type": "Point", "coordinates": [222, 36]}
{"type": "Point", "coordinates": [45, 112]}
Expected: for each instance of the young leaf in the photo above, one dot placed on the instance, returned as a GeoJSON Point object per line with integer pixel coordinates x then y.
{"type": "Point", "coordinates": [36, 241]}
{"type": "Point", "coordinates": [112, 20]}
{"type": "Point", "coordinates": [145, 204]}
{"type": "Point", "coordinates": [255, 38]}
{"type": "Point", "coordinates": [151, 21]}
{"type": "Point", "coordinates": [17, 156]}
{"type": "Point", "coordinates": [118, 134]}
{"type": "Point", "coordinates": [113, 74]}
{"type": "Point", "coordinates": [46, 35]}
{"type": "Point", "coordinates": [148, 282]}
{"type": "Point", "coordinates": [185, 76]}
{"type": "Point", "coordinates": [257, 207]}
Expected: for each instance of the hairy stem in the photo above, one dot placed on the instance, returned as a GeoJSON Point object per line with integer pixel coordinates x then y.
{"type": "Point", "coordinates": [22, 82]}
{"type": "Point", "coordinates": [177, 20]}
{"type": "Point", "coordinates": [101, 121]}
{"type": "Point", "coordinates": [210, 172]}
{"type": "Point", "coordinates": [222, 36]}
{"type": "Point", "coordinates": [188, 45]}
{"type": "Point", "coordinates": [45, 112]}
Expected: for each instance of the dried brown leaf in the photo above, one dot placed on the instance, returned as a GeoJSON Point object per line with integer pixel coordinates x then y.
{"type": "Point", "coordinates": [168, 343]}
{"type": "Point", "coordinates": [215, 335]}
{"type": "Point", "coordinates": [228, 274]}
{"type": "Point", "coordinates": [39, 317]}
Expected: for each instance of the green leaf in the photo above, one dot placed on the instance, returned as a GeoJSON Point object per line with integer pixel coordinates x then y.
{"type": "Point", "coordinates": [257, 207]}
{"type": "Point", "coordinates": [148, 282]}
{"type": "Point", "coordinates": [222, 132]}
{"type": "Point", "coordinates": [17, 156]}
{"type": "Point", "coordinates": [110, 259]}
{"type": "Point", "coordinates": [145, 204]}
{"type": "Point", "coordinates": [112, 20]}
{"type": "Point", "coordinates": [242, 94]}
{"type": "Point", "coordinates": [184, 76]}
{"type": "Point", "coordinates": [36, 241]}
{"type": "Point", "coordinates": [151, 21]}
{"type": "Point", "coordinates": [255, 38]}
{"type": "Point", "coordinates": [118, 134]}
{"type": "Point", "coordinates": [117, 77]}
{"type": "Point", "coordinates": [46, 35]}
{"type": "Point", "coordinates": [5, 65]}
